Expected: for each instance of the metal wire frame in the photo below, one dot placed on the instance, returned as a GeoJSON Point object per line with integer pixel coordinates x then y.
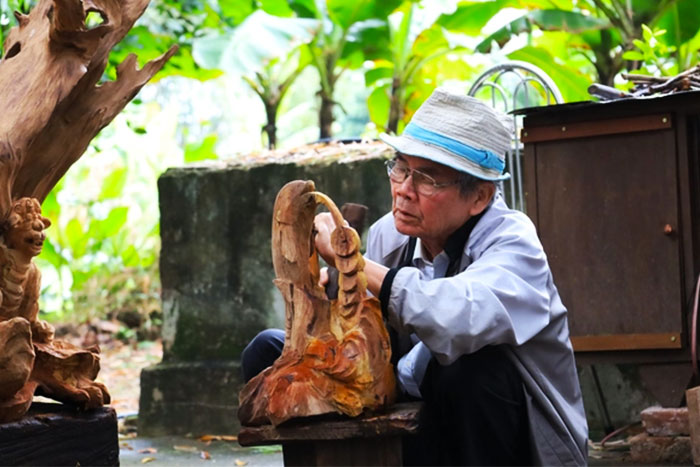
{"type": "Point", "coordinates": [532, 87]}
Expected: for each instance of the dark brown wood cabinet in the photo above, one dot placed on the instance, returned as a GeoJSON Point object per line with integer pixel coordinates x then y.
{"type": "Point", "coordinates": [613, 189]}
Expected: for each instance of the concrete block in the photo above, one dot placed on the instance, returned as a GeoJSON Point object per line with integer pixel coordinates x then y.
{"type": "Point", "coordinates": [189, 398]}
{"type": "Point", "coordinates": [215, 265]}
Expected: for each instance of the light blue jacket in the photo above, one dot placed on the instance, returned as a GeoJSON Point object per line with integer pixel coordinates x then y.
{"type": "Point", "coordinates": [504, 294]}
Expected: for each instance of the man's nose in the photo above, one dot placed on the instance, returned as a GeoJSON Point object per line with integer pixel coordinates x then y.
{"type": "Point", "coordinates": [406, 188]}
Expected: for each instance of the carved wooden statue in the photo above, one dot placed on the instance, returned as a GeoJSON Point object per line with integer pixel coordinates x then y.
{"type": "Point", "coordinates": [336, 356]}
{"type": "Point", "coordinates": [51, 107]}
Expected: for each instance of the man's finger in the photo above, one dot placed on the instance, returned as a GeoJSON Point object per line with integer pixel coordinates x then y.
{"type": "Point", "coordinates": [323, 278]}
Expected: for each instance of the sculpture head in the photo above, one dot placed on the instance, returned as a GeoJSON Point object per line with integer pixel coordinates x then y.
{"type": "Point", "coordinates": [292, 222]}
{"type": "Point", "coordinates": [23, 229]}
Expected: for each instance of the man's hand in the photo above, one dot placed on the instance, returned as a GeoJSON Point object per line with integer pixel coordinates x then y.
{"type": "Point", "coordinates": [324, 226]}
{"type": "Point", "coordinates": [323, 277]}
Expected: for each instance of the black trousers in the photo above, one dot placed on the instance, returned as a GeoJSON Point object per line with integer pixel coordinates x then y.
{"type": "Point", "coordinates": [474, 412]}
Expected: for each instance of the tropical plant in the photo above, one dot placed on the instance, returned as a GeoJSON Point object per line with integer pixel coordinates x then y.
{"type": "Point", "coordinates": [168, 22]}
{"type": "Point", "coordinates": [88, 246]}
{"type": "Point", "coordinates": [350, 33]}
{"type": "Point", "coordinates": [398, 78]}
{"type": "Point", "coordinates": [653, 52]}
{"type": "Point", "coordinates": [267, 52]}
{"type": "Point", "coordinates": [600, 30]}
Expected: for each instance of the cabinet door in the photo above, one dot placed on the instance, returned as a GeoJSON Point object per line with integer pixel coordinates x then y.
{"type": "Point", "coordinates": [607, 214]}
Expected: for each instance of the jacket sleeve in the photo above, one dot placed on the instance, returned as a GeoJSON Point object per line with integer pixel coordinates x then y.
{"type": "Point", "coordinates": [502, 297]}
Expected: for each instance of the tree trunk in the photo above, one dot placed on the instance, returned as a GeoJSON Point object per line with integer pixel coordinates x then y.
{"type": "Point", "coordinates": [326, 116]}
{"type": "Point", "coordinates": [395, 107]}
{"type": "Point", "coordinates": [337, 355]}
{"type": "Point", "coordinates": [51, 108]}
{"type": "Point", "coordinates": [271, 127]}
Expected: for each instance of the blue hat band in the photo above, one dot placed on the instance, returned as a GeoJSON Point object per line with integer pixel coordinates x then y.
{"type": "Point", "coordinates": [481, 157]}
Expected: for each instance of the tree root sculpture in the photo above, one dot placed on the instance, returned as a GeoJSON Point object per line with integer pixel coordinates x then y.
{"type": "Point", "coordinates": [52, 104]}
{"type": "Point", "coordinates": [336, 356]}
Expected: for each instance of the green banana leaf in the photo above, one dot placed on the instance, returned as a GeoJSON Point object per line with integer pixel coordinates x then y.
{"type": "Point", "coordinates": [260, 39]}
{"type": "Point", "coordinates": [572, 84]}
{"type": "Point", "coordinates": [346, 13]}
{"type": "Point", "coordinates": [548, 20]}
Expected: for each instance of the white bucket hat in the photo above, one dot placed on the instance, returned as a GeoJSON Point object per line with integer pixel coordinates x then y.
{"type": "Point", "coordinates": [460, 132]}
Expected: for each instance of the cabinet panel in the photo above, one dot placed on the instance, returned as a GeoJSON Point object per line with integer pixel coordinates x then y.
{"type": "Point", "coordinates": [607, 215]}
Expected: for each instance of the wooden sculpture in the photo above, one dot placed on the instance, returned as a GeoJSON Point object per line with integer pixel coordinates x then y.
{"type": "Point", "coordinates": [336, 355]}
{"type": "Point", "coordinates": [51, 106]}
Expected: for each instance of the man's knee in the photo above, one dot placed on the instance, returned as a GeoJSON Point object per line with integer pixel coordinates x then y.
{"type": "Point", "coordinates": [484, 374]}
{"type": "Point", "coordinates": [261, 352]}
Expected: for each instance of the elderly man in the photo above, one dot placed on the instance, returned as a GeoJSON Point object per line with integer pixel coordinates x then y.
{"type": "Point", "coordinates": [478, 329]}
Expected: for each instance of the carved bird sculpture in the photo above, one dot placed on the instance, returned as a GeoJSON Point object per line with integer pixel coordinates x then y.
{"type": "Point", "coordinates": [336, 356]}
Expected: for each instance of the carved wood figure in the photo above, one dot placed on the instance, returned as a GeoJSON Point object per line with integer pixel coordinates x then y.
{"type": "Point", "coordinates": [336, 355]}
{"type": "Point", "coordinates": [51, 107]}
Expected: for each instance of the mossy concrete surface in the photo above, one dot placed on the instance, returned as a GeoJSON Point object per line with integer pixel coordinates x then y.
{"type": "Point", "coordinates": [189, 398]}
{"type": "Point", "coordinates": [216, 273]}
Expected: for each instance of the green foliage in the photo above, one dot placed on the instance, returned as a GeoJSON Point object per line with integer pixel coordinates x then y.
{"type": "Point", "coordinates": [350, 34]}
{"type": "Point", "coordinates": [167, 22]}
{"type": "Point", "coordinates": [89, 247]}
{"type": "Point", "coordinates": [546, 20]}
{"type": "Point", "coordinates": [403, 77]}
{"type": "Point", "coordinates": [206, 149]}
{"type": "Point", "coordinates": [600, 30]}
{"type": "Point", "coordinates": [652, 52]}
{"type": "Point", "coordinates": [573, 85]}
{"type": "Point", "coordinates": [250, 47]}
{"type": "Point", "coordinates": [267, 51]}
{"type": "Point", "coordinates": [347, 14]}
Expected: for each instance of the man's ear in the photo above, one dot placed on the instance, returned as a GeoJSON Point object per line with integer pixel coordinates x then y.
{"type": "Point", "coordinates": [482, 197]}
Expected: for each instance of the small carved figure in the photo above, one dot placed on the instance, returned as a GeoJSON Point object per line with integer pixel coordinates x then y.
{"type": "Point", "coordinates": [336, 356]}
{"type": "Point", "coordinates": [31, 361]}
{"type": "Point", "coordinates": [21, 280]}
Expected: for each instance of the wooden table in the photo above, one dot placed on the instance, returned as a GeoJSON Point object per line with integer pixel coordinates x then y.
{"type": "Point", "coordinates": [373, 439]}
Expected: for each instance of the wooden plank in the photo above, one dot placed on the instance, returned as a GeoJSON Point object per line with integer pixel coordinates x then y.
{"type": "Point", "coordinates": [402, 419]}
{"type": "Point", "coordinates": [666, 340]}
{"type": "Point", "coordinates": [54, 434]}
{"type": "Point", "coordinates": [596, 128]}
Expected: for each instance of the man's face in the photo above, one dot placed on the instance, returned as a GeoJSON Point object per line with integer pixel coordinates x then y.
{"type": "Point", "coordinates": [430, 218]}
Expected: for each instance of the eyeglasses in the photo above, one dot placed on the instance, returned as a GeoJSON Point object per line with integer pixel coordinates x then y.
{"type": "Point", "coordinates": [423, 184]}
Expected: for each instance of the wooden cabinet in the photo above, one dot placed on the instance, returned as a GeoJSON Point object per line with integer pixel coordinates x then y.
{"type": "Point", "coordinates": [613, 191]}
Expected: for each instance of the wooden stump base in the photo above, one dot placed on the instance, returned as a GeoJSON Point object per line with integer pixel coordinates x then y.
{"type": "Point", "coordinates": [57, 435]}
{"type": "Point", "coordinates": [366, 440]}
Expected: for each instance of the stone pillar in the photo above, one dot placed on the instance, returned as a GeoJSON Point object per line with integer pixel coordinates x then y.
{"type": "Point", "coordinates": [216, 273]}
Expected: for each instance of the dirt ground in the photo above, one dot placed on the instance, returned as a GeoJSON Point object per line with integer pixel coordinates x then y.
{"type": "Point", "coordinates": [121, 366]}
